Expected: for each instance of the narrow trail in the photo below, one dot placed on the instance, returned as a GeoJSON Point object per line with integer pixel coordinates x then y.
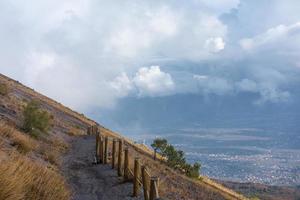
{"type": "Point", "coordinates": [89, 181]}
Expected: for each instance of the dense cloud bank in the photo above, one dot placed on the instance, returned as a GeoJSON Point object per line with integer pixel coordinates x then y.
{"type": "Point", "coordinates": [95, 53]}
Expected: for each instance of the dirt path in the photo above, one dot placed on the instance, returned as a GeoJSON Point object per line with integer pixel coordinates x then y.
{"type": "Point", "coordinates": [91, 182]}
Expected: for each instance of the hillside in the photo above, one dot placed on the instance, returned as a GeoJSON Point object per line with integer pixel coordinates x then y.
{"type": "Point", "coordinates": [67, 126]}
{"type": "Point", "coordinates": [62, 159]}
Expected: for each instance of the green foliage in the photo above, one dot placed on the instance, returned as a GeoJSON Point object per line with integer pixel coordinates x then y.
{"type": "Point", "coordinates": [36, 120]}
{"type": "Point", "coordinates": [193, 170]}
{"type": "Point", "coordinates": [254, 198]}
{"type": "Point", "coordinates": [3, 89]}
{"type": "Point", "coordinates": [175, 158]}
{"type": "Point", "coordinates": [159, 144]}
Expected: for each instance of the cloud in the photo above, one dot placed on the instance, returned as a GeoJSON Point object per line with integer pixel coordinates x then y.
{"type": "Point", "coordinates": [279, 35]}
{"type": "Point", "coordinates": [87, 44]}
{"type": "Point", "coordinates": [215, 44]}
{"type": "Point", "coordinates": [221, 6]}
{"type": "Point", "coordinates": [247, 85]}
{"type": "Point", "coordinates": [147, 81]}
{"type": "Point", "coordinates": [213, 85]}
{"type": "Point", "coordinates": [268, 90]}
{"type": "Point", "coordinates": [153, 82]}
{"type": "Point", "coordinates": [122, 85]}
{"type": "Point", "coordinates": [89, 53]}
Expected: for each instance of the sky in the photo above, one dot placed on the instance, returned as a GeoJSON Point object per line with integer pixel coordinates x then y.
{"type": "Point", "coordinates": [94, 54]}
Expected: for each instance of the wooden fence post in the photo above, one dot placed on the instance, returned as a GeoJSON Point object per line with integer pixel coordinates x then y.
{"type": "Point", "coordinates": [136, 184]}
{"type": "Point", "coordinates": [105, 149]}
{"type": "Point", "coordinates": [98, 147]}
{"type": "Point", "coordinates": [101, 149]}
{"type": "Point", "coordinates": [92, 130]}
{"type": "Point", "coordinates": [126, 164]}
{"type": "Point", "coordinates": [97, 143]}
{"type": "Point", "coordinates": [154, 188]}
{"type": "Point", "coordinates": [144, 181]}
{"type": "Point", "coordinates": [120, 157]}
{"type": "Point", "coordinates": [113, 153]}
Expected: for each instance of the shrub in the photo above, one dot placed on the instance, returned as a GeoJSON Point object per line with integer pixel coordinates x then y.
{"type": "Point", "coordinates": [3, 89]}
{"type": "Point", "coordinates": [193, 170]}
{"type": "Point", "coordinates": [36, 120]}
{"type": "Point", "coordinates": [175, 158]}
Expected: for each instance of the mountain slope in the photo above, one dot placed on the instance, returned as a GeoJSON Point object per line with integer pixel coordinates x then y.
{"type": "Point", "coordinates": [66, 126]}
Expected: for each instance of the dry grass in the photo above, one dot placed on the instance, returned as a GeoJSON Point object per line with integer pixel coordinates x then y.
{"type": "Point", "coordinates": [52, 150]}
{"type": "Point", "coordinates": [76, 131]}
{"type": "Point", "coordinates": [50, 154]}
{"type": "Point", "coordinates": [3, 89]}
{"type": "Point", "coordinates": [21, 141]}
{"type": "Point", "coordinates": [21, 178]}
{"type": "Point", "coordinates": [222, 188]}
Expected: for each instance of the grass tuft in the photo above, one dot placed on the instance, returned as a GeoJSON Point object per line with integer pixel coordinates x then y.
{"type": "Point", "coordinates": [22, 178]}
{"type": "Point", "coordinates": [21, 141]}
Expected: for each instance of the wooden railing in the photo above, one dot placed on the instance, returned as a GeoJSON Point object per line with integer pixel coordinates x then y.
{"type": "Point", "coordinates": [117, 153]}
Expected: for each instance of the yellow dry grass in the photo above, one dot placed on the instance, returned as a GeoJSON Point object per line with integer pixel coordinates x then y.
{"type": "Point", "coordinates": [75, 131]}
{"type": "Point", "coordinates": [22, 178]}
{"type": "Point", "coordinates": [21, 141]}
{"type": "Point", "coordinates": [220, 187]}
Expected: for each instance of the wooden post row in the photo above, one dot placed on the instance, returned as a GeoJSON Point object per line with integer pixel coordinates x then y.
{"type": "Point", "coordinates": [126, 164]}
{"type": "Point", "coordinates": [145, 184]}
{"type": "Point", "coordinates": [136, 185]}
{"type": "Point", "coordinates": [114, 148]}
{"type": "Point", "coordinates": [120, 158]}
{"type": "Point", "coordinates": [154, 188]}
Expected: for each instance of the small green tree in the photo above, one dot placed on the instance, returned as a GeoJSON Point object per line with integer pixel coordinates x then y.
{"type": "Point", "coordinates": [193, 171]}
{"type": "Point", "coordinates": [175, 158]}
{"type": "Point", "coordinates": [159, 145]}
{"type": "Point", "coordinates": [36, 120]}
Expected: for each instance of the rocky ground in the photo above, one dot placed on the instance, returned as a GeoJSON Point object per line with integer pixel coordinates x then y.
{"type": "Point", "coordinates": [89, 181]}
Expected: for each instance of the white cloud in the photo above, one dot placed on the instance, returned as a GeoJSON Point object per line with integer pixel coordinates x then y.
{"type": "Point", "coordinates": [122, 85]}
{"type": "Point", "coordinates": [274, 36]}
{"type": "Point", "coordinates": [215, 44]}
{"type": "Point", "coordinates": [153, 82]}
{"type": "Point", "coordinates": [163, 22]}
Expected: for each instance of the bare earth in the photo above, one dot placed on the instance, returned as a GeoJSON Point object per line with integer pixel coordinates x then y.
{"type": "Point", "coordinates": [89, 181]}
